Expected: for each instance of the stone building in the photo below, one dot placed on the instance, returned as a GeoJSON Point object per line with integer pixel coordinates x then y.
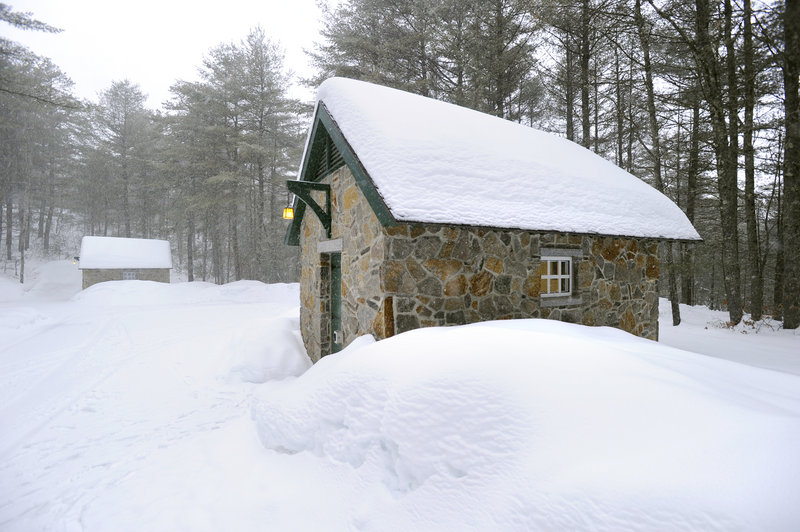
{"type": "Point", "coordinates": [428, 214]}
{"type": "Point", "coordinates": [105, 258]}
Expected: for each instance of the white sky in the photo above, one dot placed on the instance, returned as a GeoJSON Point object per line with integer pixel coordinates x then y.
{"type": "Point", "coordinates": [155, 42]}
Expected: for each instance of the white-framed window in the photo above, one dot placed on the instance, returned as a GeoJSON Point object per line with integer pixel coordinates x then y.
{"type": "Point", "coordinates": [556, 276]}
{"type": "Point", "coordinates": [128, 275]}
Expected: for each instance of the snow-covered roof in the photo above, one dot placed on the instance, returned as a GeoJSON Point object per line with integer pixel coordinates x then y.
{"type": "Point", "coordinates": [113, 252]}
{"type": "Point", "coordinates": [435, 162]}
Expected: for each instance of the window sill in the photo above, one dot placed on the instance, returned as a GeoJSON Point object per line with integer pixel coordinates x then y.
{"type": "Point", "coordinates": [560, 301]}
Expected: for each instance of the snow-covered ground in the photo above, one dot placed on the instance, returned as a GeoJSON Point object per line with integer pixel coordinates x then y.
{"type": "Point", "coordinates": [142, 406]}
{"type": "Point", "coordinates": [763, 344]}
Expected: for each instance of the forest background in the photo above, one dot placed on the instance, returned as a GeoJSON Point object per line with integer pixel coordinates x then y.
{"type": "Point", "coordinates": [698, 99]}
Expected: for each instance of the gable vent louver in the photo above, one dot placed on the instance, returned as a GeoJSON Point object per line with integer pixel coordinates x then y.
{"type": "Point", "coordinates": [328, 158]}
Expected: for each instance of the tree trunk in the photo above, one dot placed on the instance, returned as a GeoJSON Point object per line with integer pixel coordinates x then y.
{"type": "Point", "coordinates": [237, 259]}
{"type": "Point", "coordinates": [791, 167]}
{"type": "Point", "coordinates": [584, 65]}
{"type": "Point", "coordinates": [9, 226]}
{"type": "Point", "coordinates": [48, 227]}
{"type": "Point", "coordinates": [631, 127]}
{"type": "Point", "coordinates": [644, 40]}
{"type": "Point", "coordinates": [190, 247]}
{"type": "Point", "coordinates": [126, 210]}
{"type": "Point", "coordinates": [620, 105]}
{"type": "Point", "coordinates": [753, 253]}
{"type": "Point", "coordinates": [205, 257]}
{"type": "Point", "coordinates": [691, 201]}
{"type": "Point", "coordinates": [22, 236]}
{"type": "Point", "coordinates": [777, 294]}
{"type": "Point", "coordinates": [51, 200]}
{"type": "Point", "coordinates": [596, 86]}
{"type": "Point", "coordinates": [40, 224]}
{"type": "Point", "coordinates": [726, 163]}
{"type": "Point", "coordinates": [28, 221]}
{"type": "Point", "coordinates": [569, 90]}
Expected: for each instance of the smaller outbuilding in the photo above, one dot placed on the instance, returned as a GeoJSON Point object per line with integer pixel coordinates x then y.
{"type": "Point", "coordinates": [105, 258]}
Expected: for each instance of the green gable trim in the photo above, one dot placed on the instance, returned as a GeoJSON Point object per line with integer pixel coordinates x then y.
{"type": "Point", "coordinates": [328, 150]}
{"type": "Point", "coordinates": [356, 168]}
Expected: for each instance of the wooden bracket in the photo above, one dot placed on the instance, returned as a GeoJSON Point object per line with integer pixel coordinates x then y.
{"type": "Point", "coordinates": [303, 189]}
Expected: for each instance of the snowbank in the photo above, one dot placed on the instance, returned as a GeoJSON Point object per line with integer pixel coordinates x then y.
{"type": "Point", "coordinates": [124, 293]}
{"type": "Point", "coordinates": [267, 349]}
{"type": "Point", "coordinates": [10, 289]}
{"type": "Point", "coordinates": [542, 425]}
{"type": "Point", "coordinates": [51, 280]}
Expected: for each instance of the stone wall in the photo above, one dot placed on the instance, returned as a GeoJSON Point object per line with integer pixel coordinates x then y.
{"type": "Point", "coordinates": [444, 275]}
{"type": "Point", "coordinates": [408, 276]}
{"type": "Point", "coordinates": [364, 309]}
{"type": "Point", "coordinates": [94, 276]}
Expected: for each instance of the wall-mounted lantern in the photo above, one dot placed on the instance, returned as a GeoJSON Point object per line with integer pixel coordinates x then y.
{"type": "Point", "coordinates": [303, 190]}
{"type": "Point", "coordinates": [288, 213]}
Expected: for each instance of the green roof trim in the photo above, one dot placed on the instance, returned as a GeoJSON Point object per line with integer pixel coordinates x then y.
{"type": "Point", "coordinates": [328, 150]}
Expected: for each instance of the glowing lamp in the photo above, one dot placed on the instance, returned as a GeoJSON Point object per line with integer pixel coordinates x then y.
{"type": "Point", "coordinates": [288, 213]}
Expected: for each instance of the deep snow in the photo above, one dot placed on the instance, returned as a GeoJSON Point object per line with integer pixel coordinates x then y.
{"type": "Point", "coordinates": [115, 252]}
{"type": "Point", "coordinates": [141, 406]}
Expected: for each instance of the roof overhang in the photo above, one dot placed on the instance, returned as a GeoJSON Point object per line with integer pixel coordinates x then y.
{"type": "Point", "coordinates": [319, 161]}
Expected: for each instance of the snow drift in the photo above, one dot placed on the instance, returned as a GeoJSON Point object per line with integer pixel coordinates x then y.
{"type": "Point", "coordinates": [541, 425]}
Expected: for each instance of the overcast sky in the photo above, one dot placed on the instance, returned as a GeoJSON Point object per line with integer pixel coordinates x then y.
{"type": "Point", "coordinates": [155, 42]}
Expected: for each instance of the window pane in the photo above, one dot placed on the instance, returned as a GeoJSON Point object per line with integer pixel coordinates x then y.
{"type": "Point", "coordinates": [554, 268]}
{"type": "Point", "coordinates": [553, 286]}
{"type": "Point", "coordinates": [543, 286]}
{"type": "Point", "coordinates": [565, 285]}
{"type": "Point", "coordinates": [565, 267]}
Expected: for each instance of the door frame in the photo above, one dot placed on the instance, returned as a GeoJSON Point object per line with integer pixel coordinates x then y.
{"type": "Point", "coordinates": [336, 333]}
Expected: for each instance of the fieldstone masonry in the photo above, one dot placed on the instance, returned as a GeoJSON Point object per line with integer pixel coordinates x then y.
{"type": "Point", "coordinates": [408, 276]}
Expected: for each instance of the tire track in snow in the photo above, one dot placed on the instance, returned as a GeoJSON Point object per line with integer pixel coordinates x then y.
{"type": "Point", "coordinates": [100, 436]}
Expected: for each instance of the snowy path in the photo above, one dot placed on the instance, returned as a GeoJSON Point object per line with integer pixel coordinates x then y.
{"type": "Point", "coordinates": [94, 395]}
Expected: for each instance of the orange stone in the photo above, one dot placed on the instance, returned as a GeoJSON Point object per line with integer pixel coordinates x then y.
{"type": "Point", "coordinates": [393, 273]}
{"type": "Point", "coordinates": [416, 230]}
{"type": "Point", "coordinates": [397, 230]}
{"type": "Point", "coordinates": [456, 286]}
{"type": "Point", "coordinates": [628, 321]}
{"type": "Point", "coordinates": [350, 198]}
{"type": "Point", "coordinates": [652, 267]}
{"type": "Point", "coordinates": [531, 286]}
{"type": "Point", "coordinates": [443, 268]}
{"type": "Point", "coordinates": [494, 264]}
{"type": "Point", "coordinates": [479, 284]}
{"type": "Point", "coordinates": [612, 248]}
